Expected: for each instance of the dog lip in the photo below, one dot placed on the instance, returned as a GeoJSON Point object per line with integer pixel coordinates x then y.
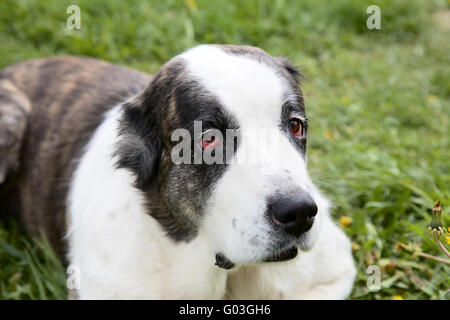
{"type": "Point", "coordinates": [283, 255]}
{"type": "Point", "coordinates": [287, 254]}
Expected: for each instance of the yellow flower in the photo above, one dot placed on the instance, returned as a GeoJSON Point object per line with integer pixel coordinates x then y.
{"type": "Point", "coordinates": [431, 97]}
{"type": "Point", "coordinates": [345, 100]}
{"type": "Point", "coordinates": [345, 221]}
{"type": "Point", "coordinates": [191, 4]}
{"type": "Point", "coordinates": [398, 298]}
{"type": "Point", "coordinates": [327, 133]}
{"type": "Point", "coordinates": [447, 238]}
{"type": "Point", "coordinates": [355, 246]}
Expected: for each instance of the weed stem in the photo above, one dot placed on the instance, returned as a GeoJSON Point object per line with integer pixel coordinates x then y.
{"type": "Point", "coordinates": [442, 247]}
{"type": "Point", "coordinates": [429, 256]}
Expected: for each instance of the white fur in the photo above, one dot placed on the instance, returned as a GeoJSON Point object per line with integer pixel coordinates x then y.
{"type": "Point", "coordinates": [122, 252]}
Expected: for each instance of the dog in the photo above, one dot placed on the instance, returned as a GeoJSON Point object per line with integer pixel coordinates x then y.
{"type": "Point", "coordinates": [89, 156]}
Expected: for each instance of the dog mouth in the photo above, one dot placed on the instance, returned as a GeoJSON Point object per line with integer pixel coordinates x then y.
{"type": "Point", "coordinates": [279, 256]}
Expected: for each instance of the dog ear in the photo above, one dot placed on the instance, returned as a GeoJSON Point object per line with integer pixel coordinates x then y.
{"type": "Point", "coordinates": [290, 68]}
{"type": "Point", "coordinates": [139, 148]}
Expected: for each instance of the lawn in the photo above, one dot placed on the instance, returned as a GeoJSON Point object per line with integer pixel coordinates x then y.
{"type": "Point", "coordinates": [378, 103]}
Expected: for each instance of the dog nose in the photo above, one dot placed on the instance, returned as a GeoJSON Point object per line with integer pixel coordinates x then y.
{"type": "Point", "coordinates": [294, 215]}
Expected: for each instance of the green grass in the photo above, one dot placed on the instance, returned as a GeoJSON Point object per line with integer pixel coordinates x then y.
{"type": "Point", "coordinates": [378, 103]}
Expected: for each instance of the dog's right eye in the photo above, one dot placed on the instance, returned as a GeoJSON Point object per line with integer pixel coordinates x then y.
{"type": "Point", "coordinates": [296, 126]}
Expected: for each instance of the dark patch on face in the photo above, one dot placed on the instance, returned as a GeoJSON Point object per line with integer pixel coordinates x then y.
{"type": "Point", "coordinates": [176, 194]}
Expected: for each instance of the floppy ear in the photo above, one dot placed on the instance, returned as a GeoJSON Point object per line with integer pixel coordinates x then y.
{"type": "Point", "coordinates": [290, 68]}
{"type": "Point", "coordinates": [139, 147]}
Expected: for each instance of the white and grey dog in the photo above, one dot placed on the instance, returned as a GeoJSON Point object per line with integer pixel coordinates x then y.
{"type": "Point", "coordinates": [90, 156]}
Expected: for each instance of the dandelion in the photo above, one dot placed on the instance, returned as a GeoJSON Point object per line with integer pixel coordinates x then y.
{"type": "Point", "coordinates": [390, 266]}
{"type": "Point", "coordinates": [345, 100]}
{"type": "Point", "coordinates": [398, 298]}
{"type": "Point", "coordinates": [431, 98]}
{"type": "Point", "coordinates": [436, 227]}
{"type": "Point", "coordinates": [191, 4]}
{"type": "Point", "coordinates": [327, 133]}
{"type": "Point", "coordinates": [345, 221]}
{"type": "Point", "coordinates": [355, 246]}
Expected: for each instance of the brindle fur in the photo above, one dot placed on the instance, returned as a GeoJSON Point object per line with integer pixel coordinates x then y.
{"type": "Point", "coordinates": [69, 96]}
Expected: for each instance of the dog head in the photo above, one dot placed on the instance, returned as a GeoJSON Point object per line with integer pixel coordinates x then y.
{"type": "Point", "coordinates": [217, 143]}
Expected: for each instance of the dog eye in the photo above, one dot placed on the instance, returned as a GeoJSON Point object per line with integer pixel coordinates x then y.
{"type": "Point", "coordinates": [296, 126]}
{"type": "Point", "coordinates": [209, 140]}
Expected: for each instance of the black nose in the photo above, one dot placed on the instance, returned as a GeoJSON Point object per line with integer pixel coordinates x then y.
{"type": "Point", "coordinates": [294, 214]}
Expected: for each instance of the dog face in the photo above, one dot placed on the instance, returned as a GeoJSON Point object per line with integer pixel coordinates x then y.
{"type": "Point", "coordinates": [217, 143]}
